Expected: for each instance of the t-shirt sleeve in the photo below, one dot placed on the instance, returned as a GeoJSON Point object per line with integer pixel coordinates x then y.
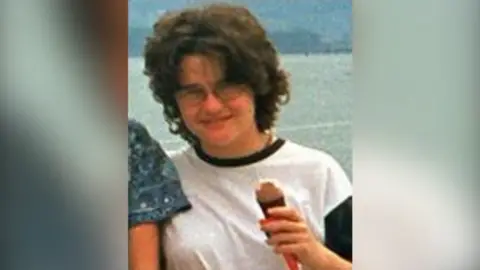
{"type": "Point", "coordinates": [154, 189]}
{"type": "Point", "coordinates": [338, 211]}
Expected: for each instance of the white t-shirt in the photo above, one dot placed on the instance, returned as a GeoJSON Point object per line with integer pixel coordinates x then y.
{"type": "Point", "coordinates": [221, 230]}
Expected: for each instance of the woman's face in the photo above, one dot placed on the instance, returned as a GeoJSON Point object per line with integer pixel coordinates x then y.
{"type": "Point", "coordinates": [216, 112]}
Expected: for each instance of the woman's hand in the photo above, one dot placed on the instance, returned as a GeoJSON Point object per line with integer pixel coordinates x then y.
{"type": "Point", "coordinates": [289, 234]}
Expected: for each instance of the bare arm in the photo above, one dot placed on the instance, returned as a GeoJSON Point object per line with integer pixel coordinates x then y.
{"type": "Point", "coordinates": [144, 247]}
{"type": "Point", "coordinates": [154, 196]}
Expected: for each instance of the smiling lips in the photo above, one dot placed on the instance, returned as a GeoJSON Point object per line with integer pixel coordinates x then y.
{"type": "Point", "coordinates": [216, 123]}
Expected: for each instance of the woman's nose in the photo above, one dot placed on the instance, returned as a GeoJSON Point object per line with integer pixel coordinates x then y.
{"type": "Point", "coordinates": [212, 103]}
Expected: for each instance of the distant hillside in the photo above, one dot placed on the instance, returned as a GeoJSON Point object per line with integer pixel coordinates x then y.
{"type": "Point", "coordinates": [331, 18]}
{"type": "Point", "coordinates": [288, 42]}
{"type": "Point", "coordinates": [295, 26]}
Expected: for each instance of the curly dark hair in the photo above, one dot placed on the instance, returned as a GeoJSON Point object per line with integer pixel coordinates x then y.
{"type": "Point", "coordinates": [232, 35]}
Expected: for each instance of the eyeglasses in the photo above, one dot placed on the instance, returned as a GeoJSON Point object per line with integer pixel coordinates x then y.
{"type": "Point", "coordinates": [195, 94]}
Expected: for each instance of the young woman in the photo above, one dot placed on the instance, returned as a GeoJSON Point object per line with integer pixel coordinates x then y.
{"type": "Point", "coordinates": [218, 78]}
{"type": "Point", "coordinates": [154, 196]}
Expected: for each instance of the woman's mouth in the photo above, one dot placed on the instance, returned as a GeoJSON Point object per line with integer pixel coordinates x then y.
{"type": "Point", "coordinates": [216, 123]}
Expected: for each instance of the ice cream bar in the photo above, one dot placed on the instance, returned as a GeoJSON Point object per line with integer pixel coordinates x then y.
{"type": "Point", "coordinates": [269, 195]}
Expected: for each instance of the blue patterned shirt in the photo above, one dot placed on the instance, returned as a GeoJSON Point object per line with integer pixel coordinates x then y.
{"type": "Point", "coordinates": [154, 190]}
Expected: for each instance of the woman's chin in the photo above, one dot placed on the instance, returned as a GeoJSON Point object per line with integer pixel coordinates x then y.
{"type": "Point", "coordinates": [217, 139]}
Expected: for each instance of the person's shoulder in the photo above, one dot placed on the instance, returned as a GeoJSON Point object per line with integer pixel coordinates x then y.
{"type": "Point", "coordinates": [139, 137]}
{"type": "Point", "coordinates": [323, 163]}
{"type": "Point", "coordinates": [303, 152]}
{"type": "Point", "coordinates": [137, 133]}
{"type": "Point", "coordinates": [143, 148]}
{"type": "Point", "coordinates": [327, 173]}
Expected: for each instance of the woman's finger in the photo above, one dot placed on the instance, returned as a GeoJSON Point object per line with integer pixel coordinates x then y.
{"type": "Point", "coordinates": [276, 226]}
{"type": "Point", "coordinates": [287, 238]}
{"type": "Point", "coordinates": [285, 213]}
{"type": "Point", "coordinates": [292, 248]}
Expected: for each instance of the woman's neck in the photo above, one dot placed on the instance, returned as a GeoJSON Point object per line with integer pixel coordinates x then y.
{"type": "Point", "coordinates": [245, 145]}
